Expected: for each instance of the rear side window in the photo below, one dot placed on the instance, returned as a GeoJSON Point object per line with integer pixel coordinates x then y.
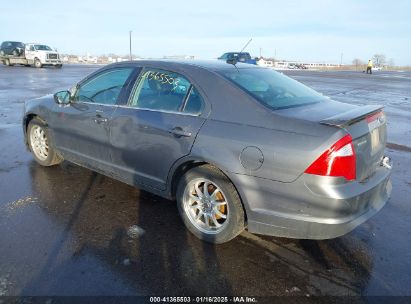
{"type": "Point", "coordinates": [165, 91]}
{"type": "Point", "coordinates": [271, 88]}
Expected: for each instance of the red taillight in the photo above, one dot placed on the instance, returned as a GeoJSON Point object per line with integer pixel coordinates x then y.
{"type": "Point", "coordinates": [338, 160]}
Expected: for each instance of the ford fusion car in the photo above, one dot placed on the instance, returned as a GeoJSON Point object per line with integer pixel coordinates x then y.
{"type": "Point", "coordinates": [237, 146]}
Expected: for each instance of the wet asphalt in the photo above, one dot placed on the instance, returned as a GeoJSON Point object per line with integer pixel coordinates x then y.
{"type": "Point", "coordinates": [66, 230]}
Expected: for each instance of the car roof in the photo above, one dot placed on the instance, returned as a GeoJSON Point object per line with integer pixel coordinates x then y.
{"type": "Point", "coordinates": [12, 42]}
{"type": "Point", "coordinates": [210, 65]}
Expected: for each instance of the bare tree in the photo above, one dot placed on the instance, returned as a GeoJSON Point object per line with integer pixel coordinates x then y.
{"type": "Point", "coordinates": [357, 62]}
{"type": "Point", "coordinates": [379, 59]}
{"type": "Point", "coordinates": [391, 62]}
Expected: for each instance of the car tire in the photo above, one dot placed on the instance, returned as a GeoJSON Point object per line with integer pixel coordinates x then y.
{"type": "Point", "coordinates": [37, 63]}
{"type": "Point", "coordinates": [204, 216]}
{"type": "Point", "coordinates": [40, 144]}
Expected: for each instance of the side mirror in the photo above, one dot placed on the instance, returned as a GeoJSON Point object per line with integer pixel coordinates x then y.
{"type": "Point", "coordinates": [62, 97]}
{"type": "Point", "coordinates": [232, 61]}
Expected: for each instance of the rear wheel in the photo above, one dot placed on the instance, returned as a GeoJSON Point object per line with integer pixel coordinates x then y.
{"type": "Point", "coordinates": [37, 63]}
{"type": "Point", "coordinates": [209, 205]}
{"type": "Point", "coordinates": [41, 145]}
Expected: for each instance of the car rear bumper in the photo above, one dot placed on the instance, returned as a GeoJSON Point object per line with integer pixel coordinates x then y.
{"type": "Point", "coordinates": [312, 207]}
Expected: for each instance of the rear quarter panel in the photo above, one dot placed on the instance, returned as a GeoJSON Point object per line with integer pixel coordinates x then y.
{"type": "Point", "coordinates": [280, 154]}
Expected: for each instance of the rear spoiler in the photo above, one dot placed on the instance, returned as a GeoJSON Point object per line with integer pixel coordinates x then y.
{"type": "Point", "coordinates": [351, 117]}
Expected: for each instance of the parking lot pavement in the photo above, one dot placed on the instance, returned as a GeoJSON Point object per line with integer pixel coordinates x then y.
{"type": "Point", "coordinates": [65, 230]}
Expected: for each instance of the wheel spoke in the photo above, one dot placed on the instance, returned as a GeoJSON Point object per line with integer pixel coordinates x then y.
{"type": "Point", "coordinates": [207, 221]}
{"type": "Point", "coordinates": [194, 198]}
{"type": "Point", "coordinates": [195, 207]}
{"type": "Point", "coordinates": [217, 212]}
{"type": "Point", "coordinates": [217, 204]}
{"type": "Point", "coordinates": [205, 190]}
{"type": "Point", "coordinates": [213, 194]}
{"type": "Point", "coordinates": [217, 224]}
{"type": "Point", "coordinates": [198, 190]}
{"type": "Point", "coordinates": [199, 214]}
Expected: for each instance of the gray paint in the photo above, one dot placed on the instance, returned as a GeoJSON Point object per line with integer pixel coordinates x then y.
{"type": "Point", "coordinates": [136, 146]}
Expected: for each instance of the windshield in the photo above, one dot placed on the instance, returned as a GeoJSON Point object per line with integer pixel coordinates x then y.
{"type": "Point", "coordinates": [273, 89]}
{"type": "Point", "coordinates": [42, 47]}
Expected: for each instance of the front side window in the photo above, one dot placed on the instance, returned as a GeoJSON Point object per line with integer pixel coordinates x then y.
{"type": "Point", "coordinates": [104, 88]}
{"type": "Point", "coordinates": [271, 88]}
{"type": "Point", "coordinates": [224, 56]}
{"type": "Point", "coordinates": [160, 90]}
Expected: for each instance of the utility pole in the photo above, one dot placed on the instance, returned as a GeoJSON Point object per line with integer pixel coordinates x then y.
{"type": "Point", "coordinates": [131, 56]}
{"type": "Point", "coordinates": [341, 59]}
{"type": "Point", "coordinates": [260, 52]}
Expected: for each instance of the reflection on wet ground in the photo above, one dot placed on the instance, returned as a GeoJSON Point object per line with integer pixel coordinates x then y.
{"type": "Point", "coordinates": [66, 230]}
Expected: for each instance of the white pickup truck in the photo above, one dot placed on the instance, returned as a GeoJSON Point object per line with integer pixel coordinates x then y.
{"type": "Point", "coordinates": [35, 54]}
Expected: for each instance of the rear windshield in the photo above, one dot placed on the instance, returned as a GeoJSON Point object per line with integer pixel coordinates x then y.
{"type": "Point", "coordinates": [273, 89]}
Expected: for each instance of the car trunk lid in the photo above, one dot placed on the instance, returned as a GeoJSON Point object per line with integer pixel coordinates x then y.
{"type": "Point", "coordinates": [365, 124]}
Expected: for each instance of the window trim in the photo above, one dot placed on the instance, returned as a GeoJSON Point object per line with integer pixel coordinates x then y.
{"type": "Point", "coordinates": [185, 100]}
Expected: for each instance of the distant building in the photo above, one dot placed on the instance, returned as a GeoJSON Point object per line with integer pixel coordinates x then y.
{"type": "Point", "coordinates": [265, 63]}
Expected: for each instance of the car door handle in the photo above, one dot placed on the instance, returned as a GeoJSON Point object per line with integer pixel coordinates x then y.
{"type": "Point", "coordinates": [100, 119]}
{"type": "Point", "coordinates": [179, 132]}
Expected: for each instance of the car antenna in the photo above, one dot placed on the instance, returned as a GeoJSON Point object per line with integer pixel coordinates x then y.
{"type": "Point", "coordinates": [246, 45]}
{"type": "Point", "coordinates": [234, 61]}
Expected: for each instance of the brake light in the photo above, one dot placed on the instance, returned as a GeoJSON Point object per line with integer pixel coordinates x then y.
{"type": "Point", "coordinates": [338, 160]}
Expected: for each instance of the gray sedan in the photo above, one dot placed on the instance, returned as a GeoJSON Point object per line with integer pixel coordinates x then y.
{"type": "Point", "coordinates": [237, 146]}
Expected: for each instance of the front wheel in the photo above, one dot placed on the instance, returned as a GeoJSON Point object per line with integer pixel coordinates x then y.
{"type": "Point", "coordinates": [209, 205]}
{"type": "Point", "coordinates": [40, 144]}
{"type": "Point", "coordinates": [37, 63]}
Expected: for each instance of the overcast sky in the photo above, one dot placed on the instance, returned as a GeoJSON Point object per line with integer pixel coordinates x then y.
{"type": "Point", "coordinates": [311, 30]}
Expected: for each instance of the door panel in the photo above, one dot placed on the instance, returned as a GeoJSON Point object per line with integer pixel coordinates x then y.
{"type": "Point", "coordinates": [157, 128]}
{"type": "Point", "coordinates": [145, 144]}
{"type": "Point", "coordinates": [82, 131]}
